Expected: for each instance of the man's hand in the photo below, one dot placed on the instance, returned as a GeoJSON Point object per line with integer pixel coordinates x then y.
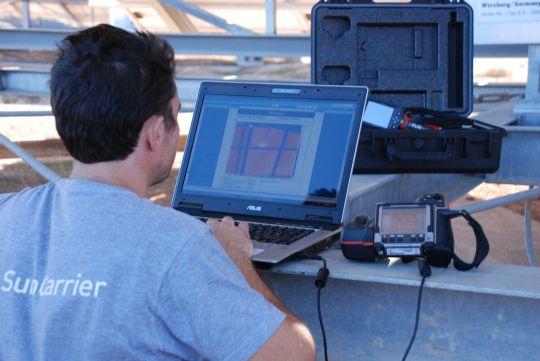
{"type": "Point", "coordinates": [235, 240]}
{"type": "Point", "coordinates": [292, 340]}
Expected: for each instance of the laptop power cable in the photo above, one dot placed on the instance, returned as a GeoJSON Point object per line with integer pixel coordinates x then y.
{"type": "Point", "coordinates": [320, 282]}
{"type": "Point", "coordinates": [425, 272]}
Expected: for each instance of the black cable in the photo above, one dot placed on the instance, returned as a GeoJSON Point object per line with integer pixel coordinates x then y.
{"type": "Point", "coordinates": [416, 320]}
{"type": "Point", "coordinates": [425, 272]}
{"type": "Point", "coordinates": [321, 323]}
{"type": "Point", "coordinates": [320, 282]}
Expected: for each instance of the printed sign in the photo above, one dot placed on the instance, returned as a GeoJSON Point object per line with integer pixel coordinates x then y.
{"type": "Point", "coordinates": [506, 11]}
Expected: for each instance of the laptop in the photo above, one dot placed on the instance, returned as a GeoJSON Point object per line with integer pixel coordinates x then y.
{"type": "Point", "coordinates": [278, 156]}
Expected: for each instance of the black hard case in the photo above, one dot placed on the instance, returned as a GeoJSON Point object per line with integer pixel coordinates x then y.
{"type": "Point", "coordinates": [418, 54]}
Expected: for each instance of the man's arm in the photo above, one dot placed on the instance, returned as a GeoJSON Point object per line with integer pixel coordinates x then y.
{"type": "Point", "coordinates": [292, 340]}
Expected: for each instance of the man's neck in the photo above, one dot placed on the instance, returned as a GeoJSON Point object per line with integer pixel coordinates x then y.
{"type": "Point", "coordinates": [118, 173]}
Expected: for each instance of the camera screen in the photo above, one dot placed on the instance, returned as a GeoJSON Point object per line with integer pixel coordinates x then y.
{"type": "Point", "coordinates": [403, 220]}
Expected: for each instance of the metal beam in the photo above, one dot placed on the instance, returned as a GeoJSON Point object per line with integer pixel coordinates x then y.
{"type": "Point", "coordinates": [71, 15]}
{"type": "Point", "coordinates": [16, 9]}
{"type": "Point", "coordinates": [529, 108]}
{"type": "Point", "coordinates": [25, 113]}
{"type": "Point", "coordinates": [260, 45]}
{"type": "Point", "coordinates": [229, 5]}
{"type": "Point", "coordinates": [302, 21]}
{"type": "Point", "coordinates": [501, 51]}
{"type": "Point", "coordinates": [254, 5]}
{"type": "Point", "coordinates": [36, 165]}
{"type": "Point", "coordinates": [27, 22]}
{"type": "Point", "coordinates": [207, 16]}
{"type": "Point", "coordinates": [134, 19]}
{"type": "Point", "coordinates": [369, 307]}
{"type": "Point", "coordinates": [519, 161]}
{"type": "Point", "coordinates": [37, 83]}
{"type": "Point", "coordinates": [270, 14]}
{"type": "Point", "coordinates": [254, 45]}
{"type": "Point", "coordinates": [366, 190]}
{"type": "Point", "coordinates": [482, 206]}
{"type": "Point", "coordinates": [529, 242]}
{"type": "Point", "coordinates": [77, 2]}
{"type": "Point", "coordinates": [175, 20]}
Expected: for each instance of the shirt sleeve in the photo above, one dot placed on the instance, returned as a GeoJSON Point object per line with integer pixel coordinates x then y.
{"type": "Point", "coordinates": [5, 197]}
{"type": "Point", "coordinates": [206, 303]}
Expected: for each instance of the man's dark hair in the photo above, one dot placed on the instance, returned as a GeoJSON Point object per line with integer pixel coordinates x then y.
{"type": "Point", "coordinates": [105, 83]}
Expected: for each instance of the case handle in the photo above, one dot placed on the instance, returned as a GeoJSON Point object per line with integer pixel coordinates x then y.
{"type": "Point", "coordinates": [394, 153]}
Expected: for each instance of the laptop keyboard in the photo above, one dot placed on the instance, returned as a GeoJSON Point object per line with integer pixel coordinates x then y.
{"type": "Point", "coordinates": [273, 233]}
{"type": "Point", "coordinates": [269, 233]}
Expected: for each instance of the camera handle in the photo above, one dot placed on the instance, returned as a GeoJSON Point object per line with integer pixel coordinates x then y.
{"type": "Point", "coordinates": [482, 244]}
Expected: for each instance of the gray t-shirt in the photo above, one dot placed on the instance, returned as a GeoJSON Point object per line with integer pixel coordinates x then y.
{"type": "Point", "coordinates": [90, 271]}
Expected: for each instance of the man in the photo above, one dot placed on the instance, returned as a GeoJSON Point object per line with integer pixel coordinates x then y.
{"type": "Point", "coordinates": [92, 270]}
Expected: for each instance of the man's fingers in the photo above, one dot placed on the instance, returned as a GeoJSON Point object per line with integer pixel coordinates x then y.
{"type": "Point", "coordinates": [228, 220]}
{"type": "Point", "coordinates": [244, 226]}
{"type": "Point", "coordinates": [214, 224]}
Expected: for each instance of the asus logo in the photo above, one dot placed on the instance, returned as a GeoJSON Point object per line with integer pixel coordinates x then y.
{"type": "Point", "coordinates": [254, 208]}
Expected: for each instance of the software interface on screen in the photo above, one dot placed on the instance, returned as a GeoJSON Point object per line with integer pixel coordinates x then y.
{"type": "Point", "coordinates": [404, 221]}
{"type": "Point", "coordinates": [278, 149]}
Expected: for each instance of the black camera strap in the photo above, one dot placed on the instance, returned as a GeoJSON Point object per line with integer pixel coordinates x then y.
{"type": "Point", "coordinates": [482, 244]}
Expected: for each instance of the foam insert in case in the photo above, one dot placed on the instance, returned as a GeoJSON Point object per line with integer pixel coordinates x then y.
{"type": "Point", "coordinates": [417, 54]}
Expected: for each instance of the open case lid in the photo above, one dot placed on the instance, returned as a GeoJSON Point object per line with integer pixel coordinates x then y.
{"type": "Point", "coordinates": [416, 54]}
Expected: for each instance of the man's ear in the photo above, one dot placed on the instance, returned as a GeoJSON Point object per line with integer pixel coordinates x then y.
{"type": "Point", "coordinates": [153, 132]}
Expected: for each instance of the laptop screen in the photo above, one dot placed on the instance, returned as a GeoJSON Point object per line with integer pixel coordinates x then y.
{"type": "Point", "coordinates": [270, 149]}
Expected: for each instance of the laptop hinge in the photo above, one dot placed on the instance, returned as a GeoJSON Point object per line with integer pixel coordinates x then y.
{"type": "Point", "coordinates": [190, 205]}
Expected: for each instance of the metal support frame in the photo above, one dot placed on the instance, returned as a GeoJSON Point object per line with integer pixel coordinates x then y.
{"type": "Point", "coordinates": [71, 15]}
{"type": "Point", "coordinates": [134, 20]}
{"type": "Point", "coordinates": [528, 234]}
{"type": "Point", "coordinates": [270, 14]}
{"type": "Point", "coordinates": [37, 83]}
{"type": "Point", "coordinates": [502, 201]}
{"type": "Point", "coordinates": [175, 20]}
{"type": "Point", "coordinates": [302, 21]}
{"type": "Point", "coordinates": [26, 113]}
{"type": "Point", "coordinates": [36, 165]}
{"type": "Point", "coordinates": [27, 21]}
{"type": "Point", "coordinates": [526, 196]}
{"type": "Point", "coordinates": [529, 109]}
{"type": "Point", "coordinates": [25, 81]}
{"type": "Point", "coordinates": [517, 165]}
{"type": "Point", "coordinates": [16, 8]}
{"type": "Point", "coordinates": [463, 316]}
{"type": "Point", "coordinates": [207, 16]}
{"type": "Point", "coordinates": [120, 17]}
{"type": "Point", "coordinates": [255, 45]}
